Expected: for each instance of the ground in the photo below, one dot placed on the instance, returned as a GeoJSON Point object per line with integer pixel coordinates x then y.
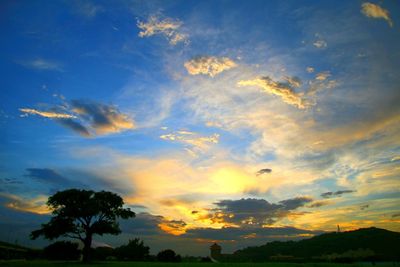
{"type": "Point", "coordinates": [158, 264]}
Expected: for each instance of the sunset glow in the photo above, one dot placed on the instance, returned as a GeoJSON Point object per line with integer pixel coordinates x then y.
{"type": "Point", "coordinates": [239, 122]}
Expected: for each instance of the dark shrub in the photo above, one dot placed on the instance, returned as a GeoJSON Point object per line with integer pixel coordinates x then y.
{"type": "Point", "coordinates": [205, 259]}
{"type": "Point", "coordinates": [62, 250]}
{"type": "Point", "coordinates": [135, 250]}
{"type": "Point", "coordinates": [168, 255]}
{"type": "Point", "coordinates": [102, 253]}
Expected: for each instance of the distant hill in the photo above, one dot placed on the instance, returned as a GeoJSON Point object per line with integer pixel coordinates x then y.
{"type": "Point", "coordinates": [362, 244]}
{"type": "Point", "coordinates": [13, 251]}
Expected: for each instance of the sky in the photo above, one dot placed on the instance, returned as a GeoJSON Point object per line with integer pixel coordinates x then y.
{"type": "Point", "coordinates": [237, 122]}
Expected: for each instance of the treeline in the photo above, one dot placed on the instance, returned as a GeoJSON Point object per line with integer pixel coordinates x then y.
{"type": "Point", "coordinates": [368, 244]}
{"type": "Point", "coordinates": [135, 250]}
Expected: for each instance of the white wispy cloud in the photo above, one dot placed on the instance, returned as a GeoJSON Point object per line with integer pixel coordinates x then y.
{"type": "Point", "coordinates": [169, 28]}
{"type": "Point", "coordinates": [209, 65]}
{"type": "Point", "coordinates": [42, 64]}
{"type": "Point", "coordinates": [374, 11]}
{"type": "Point", "coordinates": [320, 44]}
{"type": "Point", "coordinates": [194, 142]}
{"type": "Point", "coordinates": [47, 114]}
{"type": "Point", "coordinates": [310, 69]}
{"type": "Point", "coordinates": [88, 8]}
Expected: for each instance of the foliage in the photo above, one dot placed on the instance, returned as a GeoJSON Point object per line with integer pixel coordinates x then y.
{"type": "Point", "coordinates": [135, 250]}
{"type": "Point", "coordinates": [102, 253]}
{"type": "Point", "coordinates": [168, 255]}
{"type": "Point", "coordinates": [62, 250]}
{"type": "Point", "coordinates": [80, 214]}
{"type": "Point", "coordinates": [362, 244]}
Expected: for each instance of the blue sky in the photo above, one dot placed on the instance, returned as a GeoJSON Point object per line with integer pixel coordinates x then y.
{"type": "Point", "coordinates": [230, 121]}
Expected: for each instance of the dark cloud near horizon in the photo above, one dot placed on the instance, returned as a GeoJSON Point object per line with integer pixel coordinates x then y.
{"type": "Point", "coordinates": [363, 207]}
{"type": "Point", "coordinates": [337, 193]}
{"type": "Point", "coordinates": [396, 215]}
{"type": "Point", "coordinates": [317, 204]}
{"type": "Point", "coordinates": [294, 203]}
{"type": "Point", "coordinates": [250, 232]}
{"type": "Point", "coordinates": [252, 211]}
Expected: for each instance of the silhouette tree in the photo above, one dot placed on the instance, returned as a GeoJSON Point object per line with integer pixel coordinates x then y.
{"type": "Point", "coordinates": [135, 250]}
{"type": "Point", "coordinates": [80, 214]}
{"type": "Point", "coordinates": [62, 250]}
{"type": "Point", "coordinates": [168, 255]}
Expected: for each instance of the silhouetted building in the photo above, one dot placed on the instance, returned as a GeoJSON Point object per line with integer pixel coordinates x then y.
{"type": "Point", "coordinates": [215, 251]}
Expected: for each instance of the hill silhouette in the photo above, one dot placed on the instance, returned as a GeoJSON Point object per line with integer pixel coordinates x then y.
{"type": "Point", "coordinates": [362, 244]}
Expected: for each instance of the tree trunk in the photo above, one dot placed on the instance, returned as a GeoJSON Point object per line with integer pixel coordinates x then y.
{"type": "Point", "coordinates": [86, 248]}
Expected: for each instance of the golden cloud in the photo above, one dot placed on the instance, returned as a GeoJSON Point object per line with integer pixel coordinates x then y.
{"type": "Point", "coordinates": [322, 76]}
{"type": "Point", "coordinates": [35, 205]}
{"type": "Point", "coordinates": [283, 90]}
{"type": "Point", "coordinates": [374, 11]}
{"type": "Point", "coordinates": [209, 65]}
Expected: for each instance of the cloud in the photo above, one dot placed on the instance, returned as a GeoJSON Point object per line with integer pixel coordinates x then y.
{"type": "Point", "coordinates": [337, 193]}
{"type": "Point", "coordinates": [209, 65]}
{"type": "Point", "coordinates": [310, 69]}
{"type": "Point", "coordinates": [320, 44]}
{"type": "Point", "coordinates": [104, 119]}
{"type": "Point", "coordinates": [317, 204]}
{"type": "Point", "coordinates": [53, 179]}
{"type": "Point", "coordinates": [284, 90]}
{"type": "Point", "coordinates": [42, 64]}
{"type": "Point", "coordinates": [252, 211]}
{"type": "Point", "coordinates": [374, 11]}
{"type": "Point", "coordinates": [294, 203]}
{"type": "Point", "coordinates": [87, 118]}
{"type": "Point", "coordinates": [35, 205]}
{"type": "Point", "coordinates": [48, 114]}
{"type": "Point", "coordinates": [264, 234]}
{"type": "Point", "coordinates": [174, 227]}
{"type": "Point", "coordinates": [263, 171]}
{"type": "Point", "coordinates": [169, 28]}
{"type": "Point", "coordinates": [46, 175]}
{"type": "Point", "coordinates": [363, 207]}
{"type": "Point", "coordinates": [9, 181]}
{"type": "Point", "coordinates": [87, 8]}
{"type": "Point", "coordinates": [322, 76]}
{"type": "Point", "coordinates": [75, 126]}
{"type": "Point", "coordinates": [193, 141]}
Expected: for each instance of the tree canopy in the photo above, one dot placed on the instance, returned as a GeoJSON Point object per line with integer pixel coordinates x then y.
{"type": "Point", "coordinates": [80, 214]}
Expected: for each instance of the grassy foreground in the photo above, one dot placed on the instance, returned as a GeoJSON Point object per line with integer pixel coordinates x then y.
{"type": "Point", "coordinates": [22, 263]}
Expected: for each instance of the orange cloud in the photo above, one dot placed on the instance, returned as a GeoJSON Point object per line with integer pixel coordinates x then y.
{"type": "Point", "coordinates": [35, 205]}
{"type": "Point", "coordinates": [209, 65]}
{"type": "Point", "coordinates": [283, 90]}
{"type": "Point", "coordinates": [374, 11]}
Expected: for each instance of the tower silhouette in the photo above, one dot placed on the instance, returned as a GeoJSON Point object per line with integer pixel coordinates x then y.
{"type": "Point", "coordinates": [215, 251]}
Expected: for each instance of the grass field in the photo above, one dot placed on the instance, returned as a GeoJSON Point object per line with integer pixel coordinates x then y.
{"type": "Point", "coordinates": [158, 264]}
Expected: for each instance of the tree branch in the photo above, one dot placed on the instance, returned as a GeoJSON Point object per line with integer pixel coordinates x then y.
{"type": "Point", "coordinates": [75, 236]}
